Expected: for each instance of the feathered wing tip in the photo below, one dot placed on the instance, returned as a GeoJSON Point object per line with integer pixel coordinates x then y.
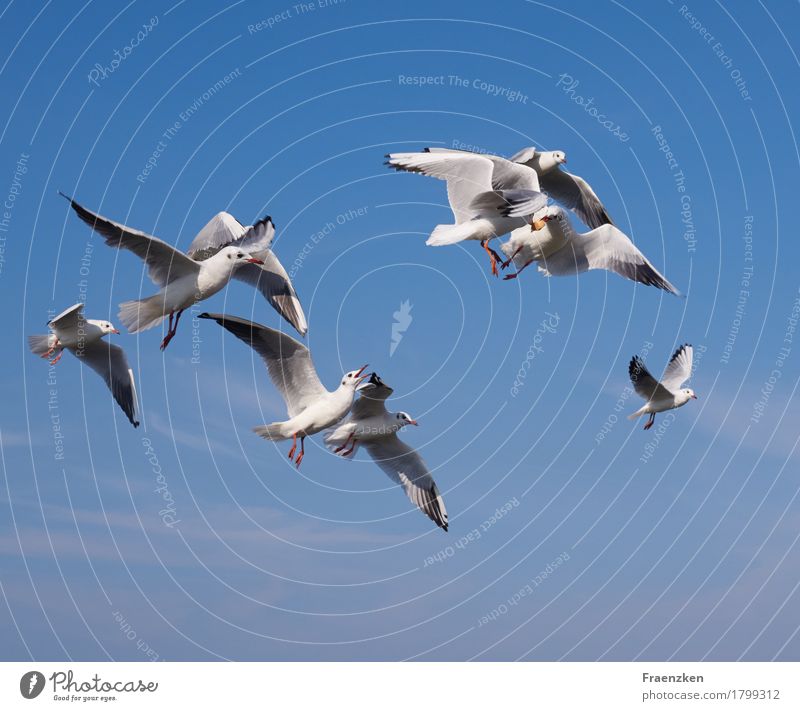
{"type": "Point", "coordinates": [40, 344]}
{"type": "Point", "coordinates": [273, 432]}
{"type": "Point", "coordinates": [142, 314]}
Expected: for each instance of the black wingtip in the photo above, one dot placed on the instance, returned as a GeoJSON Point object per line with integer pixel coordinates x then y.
{"type": "Point", "coordinates": [66, 197]}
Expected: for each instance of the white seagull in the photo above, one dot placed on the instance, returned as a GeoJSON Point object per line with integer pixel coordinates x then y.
{"type": "Point", "coordinates": [668, 394]}
{"type": "Point", "coordinates": [570, 190]}
{"type": "Point", "coordinates": [83, 337]}
{"type": "Point", "coordinates": [372, 425]}
{"type": "Point", "coordinates": [183, 280]}
{"type": "Point", "coordinates": [311, 407]}
{"type": "Point", "coordinates": [560, 250]}
{"type": "Point", "coordinates": [480, 209]}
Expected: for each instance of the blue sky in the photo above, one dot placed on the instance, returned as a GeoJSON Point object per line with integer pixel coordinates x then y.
{"type": "Point", "coordinates": [574, 534]}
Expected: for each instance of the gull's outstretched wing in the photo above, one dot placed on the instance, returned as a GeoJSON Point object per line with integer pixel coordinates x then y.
{"type": "Point", "coordinates": [224, 230]}
{"type": "Point", "coordinates": [679, 368]}
{"type": "Point", "coordinates": [110, 363]}
{"type": "Point", "coordinates": [288, 361]}
{"type": "Point", "coordinates": [574, 192]}
{"type": "Point", "coordinates": [165, 263]}
{"type": "Point", "coordinates": [404, 465]}
{"type": "Point", "coordinates": [644, 383]}
{"type": "Point", "coordinates": [605, 248]}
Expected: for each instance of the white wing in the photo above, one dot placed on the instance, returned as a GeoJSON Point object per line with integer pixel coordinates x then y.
{"type": "Point", "coordinates": [110, 363]}
{"type": "Point", "coordinates": [225, 230]}
{"type": "Point", "coordinates": [273, 282]}
{"type": "Point", "coordinates": [605, 248]}
{"type": "Point", "coordinates": [644, 383]}
{"type": "Point", "coordinates": [165, 263]}
{"type": "Point", "coordinates": [288, 361]}
{"type": "Point", "coordinates": [506, 174]}
{"type": "Point", "coordinates": [68, 319]}
{"type": "Point", "coordinates": [467, 175]}
{"type": "Point", "coordinates": [679, 368]}
{"type": "Point", "coordinates": [574, 192]}
{"type": "Point", "coordinates": [405, 467]}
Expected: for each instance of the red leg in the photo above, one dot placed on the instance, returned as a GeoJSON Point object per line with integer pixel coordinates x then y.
{"type": "Point", "coordinates": [350, 451]}
{"type": "Point", "coordinates": [294, 446]}
{"type": "Point", "coordinates": [519, 271]}
{"type": "Point", "coordinates": [172, 329]}
{"type": "Point", "coordinates": [650, 421]}
{"type": "Point", "coordinates": [57, 358]}
{"type": "Point", "coordinates": [302, 452]}
{"type": "Point", "coordinates": [344, 446]}
{"type": "Point", "coordinates": [507, 263]}
{"type": "Point", "coordinates": [492, 256]}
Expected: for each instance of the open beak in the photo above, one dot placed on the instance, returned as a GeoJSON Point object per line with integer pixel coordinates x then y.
{"type": "Point", "coordinates": [360, 371]}
{"type": "Point", "coordinates": [253, 260]}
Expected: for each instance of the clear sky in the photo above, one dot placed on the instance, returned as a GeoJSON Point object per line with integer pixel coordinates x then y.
{"type": "Point", "coordinates": [574, 534]}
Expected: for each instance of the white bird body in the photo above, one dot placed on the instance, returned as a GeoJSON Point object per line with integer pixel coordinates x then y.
{"type": "Point", "coordinates": [84, 339]}
{"type": "Point", "coordinates": [310, 406]}
{"type": "Point", "coordinates": [666, 394]}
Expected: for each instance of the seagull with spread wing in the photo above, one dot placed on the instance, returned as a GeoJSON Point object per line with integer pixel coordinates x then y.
{"type": "Point", "coordinates": [667, 394]}
{"type": "Point", "coordinates": [560, 250]}
{"type": "Point", "coordinates": [481, 189]}
{"type": "Point", "coordinates": [184, 280]}
{"type": "Point", "coordinates": [83, 337]}
{"type": "Point", "coordinates": [372, 425]}
{"type": "Point", "coordinates": [311, 407]}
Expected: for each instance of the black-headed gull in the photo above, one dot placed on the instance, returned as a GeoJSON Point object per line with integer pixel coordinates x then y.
{"type": "Point", "coordinates": [480, 209]}
{"type": "Point", "coordinates": [560, 250]}
{"type": "Point", "coordinates": [572, 191]}
{"type": "Point", "coordinates": [184, 281]}
{"type": "Point", "coordinates": [310, 406]}
{"type": "Point", "coordinates": [372, 425]}
{"type": "Point", "coordinates": [269, 277]}
{"type": "Point", "coordinates": [83, 337]}
{"type": "Point", "coordinates": [667, 394]}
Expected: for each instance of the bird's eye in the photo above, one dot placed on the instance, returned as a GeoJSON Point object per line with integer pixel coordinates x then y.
{"type": "Point", "coordinates": [240, 255]}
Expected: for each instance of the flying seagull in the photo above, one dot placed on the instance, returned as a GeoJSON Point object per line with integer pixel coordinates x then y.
{"type": "Point", "coordinates": [480, 210]}
{"type": "Point", "coordinates": [560, 250]}
{"type": "Point", "coordinates": [183, 280]}
{"type": "Point", "coordinates": [572, 191]}
{"type": "Point", "coordinates": [310, 406]}
{"type": "Point", "coordinates": [371, 424]}
{"type": "Point", "coordinates": [83, 337]}
{"type": "Point", "coordinates": [667, 394]}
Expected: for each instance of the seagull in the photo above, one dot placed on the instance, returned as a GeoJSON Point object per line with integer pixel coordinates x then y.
{"type": "Point", "coordinates": [370, 424]}
{"type": "Point", "coordinates": [269, 277]}
{"type": "Point", "coordinates": [311, 407]}
{"type": "Point", "coordinates": [83, 337]}
{"type": "Point", "coordinates": [183, 280]}
{"type": "Point", "coordinates": [560, 250]}
{"type": "Point", "coordinates": [480, 209]}
{"type": "Point", "coordinates": [572, 191]}
{"type": "Point", "coordinates": [668, 394]}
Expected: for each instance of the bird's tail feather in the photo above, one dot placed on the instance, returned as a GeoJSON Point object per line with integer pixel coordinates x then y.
{"type": "Point", "coordinates": [39, 344]}
{"type": "Point", "coordinates": [641, 411]}
{"type": "Point", "coordinates": [449, 234]}
{"type": "Point", "coordinates": [274, 432]}
{"type": "Point", "coordinates": [142, 314]}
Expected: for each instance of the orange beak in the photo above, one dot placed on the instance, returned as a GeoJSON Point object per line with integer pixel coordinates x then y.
{"type": "Point", "coordinates": [114, 330]}
{"type": "Point", "coordinates": [413, 422]}
{"type": "Point", "coordinates": [361, 370]}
